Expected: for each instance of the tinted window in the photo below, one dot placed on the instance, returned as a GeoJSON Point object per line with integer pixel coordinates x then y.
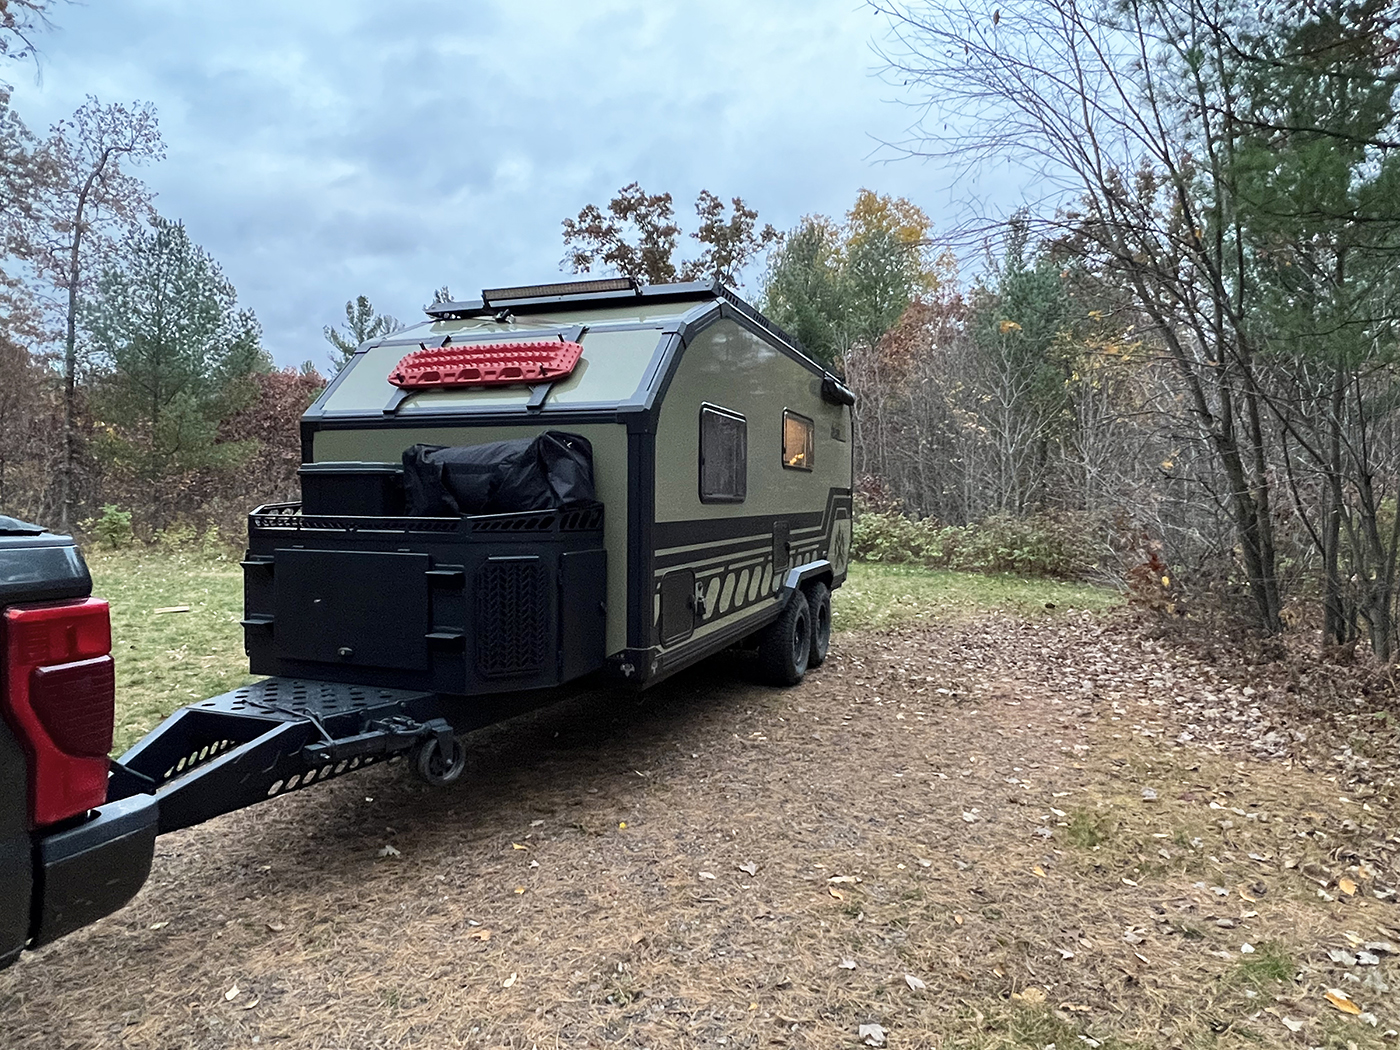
{"type": "Point", "coordinates": [724, 456]}
{"type": "Point", "coordinates": [797, 441]}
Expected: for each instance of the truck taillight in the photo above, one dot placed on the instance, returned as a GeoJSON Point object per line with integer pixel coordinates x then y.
{"type": "Point", "coordinates": [60, 699]}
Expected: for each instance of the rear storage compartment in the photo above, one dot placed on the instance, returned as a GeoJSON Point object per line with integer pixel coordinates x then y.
{"type": "Point", "coordinates": [466, 604]}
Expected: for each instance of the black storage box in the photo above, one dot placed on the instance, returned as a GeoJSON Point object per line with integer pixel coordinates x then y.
{"type": "Point", "coordinates": [467, 605]}
{"type": "Point", "coordinates": [352, 488]}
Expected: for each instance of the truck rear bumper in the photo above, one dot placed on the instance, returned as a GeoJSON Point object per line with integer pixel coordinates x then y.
{"type": "Point", "coordinates": [88, 871]}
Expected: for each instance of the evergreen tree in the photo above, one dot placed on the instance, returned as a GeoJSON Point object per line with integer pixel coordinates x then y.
{"type": "Point", "coordinates": [361, 324]}
{"type": "Point", "coordinates": [173, 353]}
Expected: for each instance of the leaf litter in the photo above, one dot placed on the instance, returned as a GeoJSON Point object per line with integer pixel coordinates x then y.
{"type": "Point", "coordinates": [1091, 816]}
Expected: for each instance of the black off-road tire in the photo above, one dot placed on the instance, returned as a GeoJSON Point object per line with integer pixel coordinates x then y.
{"type": "Point", "coordinates": [786, 644]}
{"type": "Point", "coordinates": [435, 767]}
{"type": "Point", "coordinates": [819, 608]}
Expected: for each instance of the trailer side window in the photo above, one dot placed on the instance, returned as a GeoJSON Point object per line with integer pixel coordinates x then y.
{"type": "Point", "coordinates": [724, 456]}
{"type": "Point", "coordinates": [797, 441]}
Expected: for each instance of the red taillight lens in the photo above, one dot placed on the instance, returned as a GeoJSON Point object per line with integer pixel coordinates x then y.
{"type": "Point", "coordinates": [61, 702]}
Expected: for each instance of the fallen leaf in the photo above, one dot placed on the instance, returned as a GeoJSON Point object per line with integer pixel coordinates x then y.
{"type": "Point", "coordinates": [251, 1003]}
{"type": "Point", "coordinates": [957, 919]}
{"type": "Point", "coordinates": [1038, 872]}
{"type": "Point", "coordinates": [508, 981]}
{"type": "Point", "coordinates": [1292, 1025]}
{"type": "Point", "coordinates": [836, 893]}
{"type": "Point", "coordinates": [1032, 994]}
{"type": "Point", "coordinates": [871, 1034]}
{"type": "Point", "coordinates": [517, 845]}
{"type": "Point", "coordinates": [707, 875]}
{"type": "Point", "coordinates": [480, 935]}
{"type": "Point", "coordinates": [750, 869]}
{"type": "Point", "coordinates": [1339, 999]}
{"type": "Point", "coordinates": [233, 993]}
{"type": "Point", "coordinates": [520, 889]}
{"type": "Point", "coordinates": [1243, 891]}
{"type": "Point", "coordinates": [1347, 886]}
{"type": "Point", "coordinates": [915, 985]}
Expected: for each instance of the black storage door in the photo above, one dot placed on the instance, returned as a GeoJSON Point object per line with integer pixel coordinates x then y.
{"type": "Point", "coordinates": [358, 608]}
{"type": "Point", "coordinates": [677, 606]}
{"type": "Point", "coordinates": [583, 614]}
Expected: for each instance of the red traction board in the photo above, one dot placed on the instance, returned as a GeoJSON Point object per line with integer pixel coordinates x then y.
{"type": "Point", "coordinates": [487, 364]}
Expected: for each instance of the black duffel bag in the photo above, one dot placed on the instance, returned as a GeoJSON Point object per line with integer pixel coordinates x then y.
{"type": "Point", "coordinates": [549, 472]}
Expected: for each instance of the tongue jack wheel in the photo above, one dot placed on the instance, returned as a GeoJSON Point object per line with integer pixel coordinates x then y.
{"type": "Point", "coordinates": [439, 765]}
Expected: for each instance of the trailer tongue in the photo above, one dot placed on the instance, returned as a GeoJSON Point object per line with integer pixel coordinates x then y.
{"type": "Point", "coordinates": [275, 736]}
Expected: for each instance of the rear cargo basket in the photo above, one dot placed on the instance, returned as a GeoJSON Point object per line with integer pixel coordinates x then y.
{"type": "Point", "coordinates": [468, 605]}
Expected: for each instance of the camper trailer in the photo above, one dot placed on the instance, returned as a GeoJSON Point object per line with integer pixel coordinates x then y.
{"type": "Point", "coordinates": [705, 465]}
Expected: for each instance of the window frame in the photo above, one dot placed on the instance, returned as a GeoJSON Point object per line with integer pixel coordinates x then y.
{"type": "Point", "coordinates": [742, 420]}
{"type": "Point", "coordinates": [811, 449]}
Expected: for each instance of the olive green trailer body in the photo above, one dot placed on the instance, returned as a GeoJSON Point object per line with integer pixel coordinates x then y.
{"type": "Point", "coordinates": [721, 452]}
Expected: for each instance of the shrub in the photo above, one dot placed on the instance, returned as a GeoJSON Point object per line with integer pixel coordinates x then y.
{"type": "Point", "coordinates": [1037, 545]}
{"type": "Point", "coordinates": [113, 527]}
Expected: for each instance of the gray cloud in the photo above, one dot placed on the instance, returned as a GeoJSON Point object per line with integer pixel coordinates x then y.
{"type": "Point", "coordinates": [330, 148]}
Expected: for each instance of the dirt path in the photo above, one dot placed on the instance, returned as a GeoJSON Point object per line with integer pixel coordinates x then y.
{"type": "Point", "coordinates": [1057, 831]}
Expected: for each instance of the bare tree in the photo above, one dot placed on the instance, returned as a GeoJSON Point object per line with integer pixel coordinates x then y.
{"type": "Point", "coordinates": [1101, 102]}
{"type": "Point", "coordinates": [90, 204]}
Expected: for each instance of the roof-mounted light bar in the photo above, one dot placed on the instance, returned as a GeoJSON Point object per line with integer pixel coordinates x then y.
{"type": "Point", "coordinates": [496, 296]}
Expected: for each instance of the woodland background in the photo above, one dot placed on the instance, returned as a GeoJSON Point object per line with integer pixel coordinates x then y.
{"type": "Point", "coordinates": [1176, 370]}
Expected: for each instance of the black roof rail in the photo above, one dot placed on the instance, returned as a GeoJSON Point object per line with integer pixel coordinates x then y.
{"type": "Point", "coordinates": [607, 291]}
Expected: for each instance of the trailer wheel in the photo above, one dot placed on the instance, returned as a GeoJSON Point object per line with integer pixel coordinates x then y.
{"type": "Point", "coordinates": [436, 768]}
{"type": "Point", "coordinates": [786, 644]}
{"type": "Point", "coordinates": [819, 606]}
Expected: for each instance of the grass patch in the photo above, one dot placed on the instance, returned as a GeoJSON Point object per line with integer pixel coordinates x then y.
{"type": "Point", "coordinates": [167, 660]}
{"type": "Point", "coordinates": [876, 596]}
{"type": "Point", "coordinates": [1088, 830]}
{"type": "Point", "coordinates": [1271, 963]}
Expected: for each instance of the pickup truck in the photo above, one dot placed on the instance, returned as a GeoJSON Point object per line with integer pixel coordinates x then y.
{"type": "Point", "coordinates": [67, 855]}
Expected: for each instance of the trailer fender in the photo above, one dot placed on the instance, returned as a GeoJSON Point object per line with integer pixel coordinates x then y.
{"type": "Point", "coordinates": [800, 575]}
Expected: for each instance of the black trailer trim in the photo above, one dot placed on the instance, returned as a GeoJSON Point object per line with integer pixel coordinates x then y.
{"type": "Point", "coordinates": [696, 531]}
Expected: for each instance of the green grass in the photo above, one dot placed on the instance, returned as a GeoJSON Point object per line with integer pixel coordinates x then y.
{"type": "Point", "coordinates": [167, 660]}
{"type": "Point", "coordinates": [876, 596]}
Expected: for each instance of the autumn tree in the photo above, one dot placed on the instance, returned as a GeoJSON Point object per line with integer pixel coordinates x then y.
{"type": "Point", "coordinates": [360, 325]}
{"type": "Point", "coordinates": [838, 286]}
{"type": "Point", "coordinates": [173, 352]}
{"type": "Point", "coordinates": [89, 204]}
{"type": "Point", "coordinates": [638, 235]}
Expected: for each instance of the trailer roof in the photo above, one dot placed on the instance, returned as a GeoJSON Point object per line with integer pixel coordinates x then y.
{"type": "Point", "coordinates": [623, 328]}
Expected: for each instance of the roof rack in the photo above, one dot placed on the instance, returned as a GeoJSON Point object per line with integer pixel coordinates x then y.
{"type": "Point", "coordinates": [605, 291]}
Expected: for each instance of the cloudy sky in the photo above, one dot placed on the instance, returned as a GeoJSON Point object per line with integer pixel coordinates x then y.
{"type": "Point", "coordinates": [328, 148]}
